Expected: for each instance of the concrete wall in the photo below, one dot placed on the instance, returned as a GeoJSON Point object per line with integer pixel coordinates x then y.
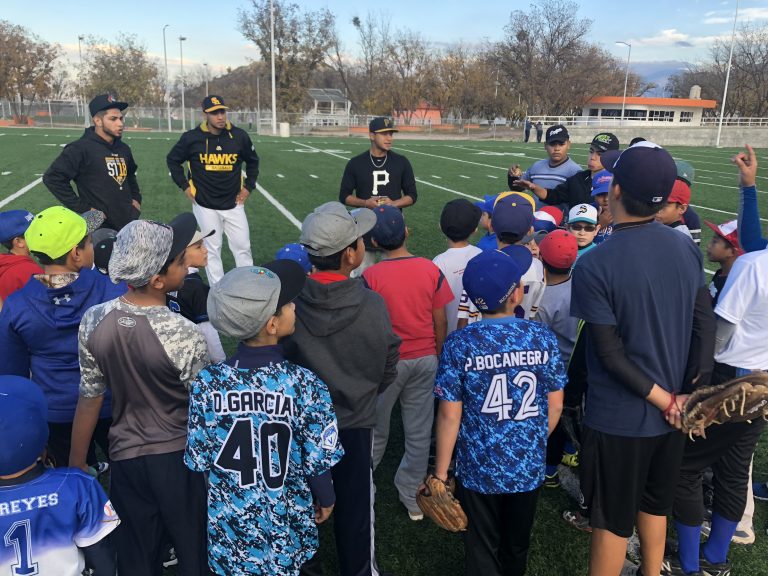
{"type": "Point", "coordinates": [677, 135]}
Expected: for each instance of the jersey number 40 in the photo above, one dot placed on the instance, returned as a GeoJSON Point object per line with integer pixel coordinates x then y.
{"type": "Point", "coordinates": [270, 458]}
{"type": "Point", "coordinates": [498, 402]}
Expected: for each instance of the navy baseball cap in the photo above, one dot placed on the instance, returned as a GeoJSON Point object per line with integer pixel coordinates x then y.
{"type": "Point", "coordinates": [557, 133]}
{"type": "Point", "coordinates": [297, 253]}
{"type": "Point", "coordinates": [23, 423]}
{"type": "Point", "coordinates": [645, 171]}
{"type": "Point", "coordinates": [512, 214]}
{"type": "Point", "coordinates": [105, 102]}
{"type": "Point", "coordinates": [390, 226]}
{"type": "Point", "coordinates": [487, 204]}
{"type": "Point", "coordinates": [13, 223]}
{"type": "Point", "coordinates": [213, 102]}
{"type": "Point", "coordinates": [382, 124]}
{"type": "Point", "coordinates": [491, 276]}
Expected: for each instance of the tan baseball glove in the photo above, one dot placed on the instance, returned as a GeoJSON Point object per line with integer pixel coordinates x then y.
{"type": "Point", "coordinates": [435, 498]}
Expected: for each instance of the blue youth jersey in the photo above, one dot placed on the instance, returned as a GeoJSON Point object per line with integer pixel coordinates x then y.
{"type": "Point", "coordinates": [260, 433]}
{"type": "Point", "coordinates": [502, 371]}
{"type": "Point", "coordinates": [45, 520]}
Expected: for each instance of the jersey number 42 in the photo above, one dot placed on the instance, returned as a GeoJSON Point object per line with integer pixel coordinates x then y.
{"type": "Point", "coordinates": [497, 400]}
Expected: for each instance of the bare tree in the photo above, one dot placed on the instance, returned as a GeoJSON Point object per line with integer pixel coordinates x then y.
{"type": "Point", "coordinates": [26, 68]}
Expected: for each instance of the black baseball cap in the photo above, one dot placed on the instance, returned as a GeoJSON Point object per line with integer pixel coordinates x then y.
{"type": "Point", "coordinates": [105, 102]}
{"type": "Point", "coordinates": [213, 102]}
{"type": "Point", "coordinates": [557, 133]}
{"type": "Point", "coordinates": [184, 227]}
{"type": "Point", "coordinates": [459, 218]}
{"type": "Point", "coordinates": [605, 141]}
{"type": "Point", "coordinates": [382, 124]}
{"type": "Point", "coordinates": [103, 241]}
{"type": "Point", "coordinates": [645, 171]}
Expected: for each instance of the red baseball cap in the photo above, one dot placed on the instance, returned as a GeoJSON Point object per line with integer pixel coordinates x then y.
{"type": "Point", "coordinates": [681, 193]}
{"type": "Point", "coordinates": [559, 249]}
{"type": "Point", "coordinates": [728, 231]}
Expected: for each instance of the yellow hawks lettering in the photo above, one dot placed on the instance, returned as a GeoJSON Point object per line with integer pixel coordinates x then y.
{"type": "Point", "coordinates": [218, 162]}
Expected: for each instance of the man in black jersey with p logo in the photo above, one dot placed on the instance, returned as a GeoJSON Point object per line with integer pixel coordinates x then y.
{"type": "Point", "coordinates": [377, 176]}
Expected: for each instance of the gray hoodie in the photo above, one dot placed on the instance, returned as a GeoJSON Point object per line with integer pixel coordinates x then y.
{"type": "Point", "coordinates": [344, 335]}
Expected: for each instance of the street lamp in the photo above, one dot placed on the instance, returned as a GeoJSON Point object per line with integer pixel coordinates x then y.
{"type": "Point", "coordinates": [167, 87]}
{"type": "Point", "coordinates": [272, 54]}
{"type": "Point", "coordinates": [181, 60]}
{"type": "Point", "coordinates": [626, 77]}
{"type": "Point", "coordinates": [80, 77]}
{"type": "Point", "coordinates": [205, 67]}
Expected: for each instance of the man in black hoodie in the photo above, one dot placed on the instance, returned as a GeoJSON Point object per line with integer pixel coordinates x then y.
{"type": "Point", "coordinates": [343, 334]}
{"type": "Point", "coordinates": [101, 165]}
{"type": "Point", "coordinates": [215, 152]}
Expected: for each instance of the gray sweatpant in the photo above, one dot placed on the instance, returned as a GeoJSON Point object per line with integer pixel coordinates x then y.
{"type": "Point", "coordinates": [413, 387]}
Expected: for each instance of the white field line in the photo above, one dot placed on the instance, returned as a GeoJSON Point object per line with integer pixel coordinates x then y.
{"type": "Point", "coordinates": [280, 208]}
{"type": "Point", "coordinates": [21, 192]}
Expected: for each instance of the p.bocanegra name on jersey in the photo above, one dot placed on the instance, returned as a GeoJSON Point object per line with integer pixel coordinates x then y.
{"type": "Point", "coordinates": [506, 360]}
{"type": "Point", "coordinates": [249, 401]}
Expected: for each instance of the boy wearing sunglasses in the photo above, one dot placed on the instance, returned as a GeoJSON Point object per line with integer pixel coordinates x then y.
{"type": "Point", "coordinates": [582, 223]}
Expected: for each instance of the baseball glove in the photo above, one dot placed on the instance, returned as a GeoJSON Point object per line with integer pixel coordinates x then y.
{"type": "Point", "coordinates": [740, 400]}
{"type": "Point", "coordinates": [435, 498]}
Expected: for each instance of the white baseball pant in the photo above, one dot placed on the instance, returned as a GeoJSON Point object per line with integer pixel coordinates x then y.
{"type": "Point", "coordinates": [234, 224]}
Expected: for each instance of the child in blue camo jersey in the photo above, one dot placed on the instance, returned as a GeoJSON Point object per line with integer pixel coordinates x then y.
{"type": "Point", "coordinates": [500, 384]}
{"type": "Point", "coordinates": [265, 430]}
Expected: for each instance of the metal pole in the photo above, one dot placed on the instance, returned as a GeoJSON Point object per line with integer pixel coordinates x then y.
{"type": "Point", "coordinates": [626, 77]}
{"type": "Point", "coordinates": [167, 84]}
{"type": "Point", "coordinates": [258, 104]}
{"type": "Point", "coordinates": [727, 77]}
{"type": "Point", "coordinates": [181, 60]}
{"type": "Point", "coordinates": [272, 51]}
{"type": "Point", "coordinates": [205, 67]}
{"type": "Point", "coordinates": [80, 77]}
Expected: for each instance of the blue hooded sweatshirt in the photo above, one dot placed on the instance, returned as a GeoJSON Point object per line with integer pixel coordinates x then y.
{"type": "Point", "coordinates": [38, 337]}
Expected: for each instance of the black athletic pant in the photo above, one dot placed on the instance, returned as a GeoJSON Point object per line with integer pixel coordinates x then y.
{"type": "Point", "coordinates": [352, 522]}
{"type": "Point", "coordinates": [155, 496]}
{"type": "Point", "coordinates": [498, 531]}
{"type": "Point", "coordinates": [60, 442]}
{"type": "Point", "coordinates": [728, 449]}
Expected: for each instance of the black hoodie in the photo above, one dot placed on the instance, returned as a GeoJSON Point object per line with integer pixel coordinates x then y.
{"type": "Point", "coordinates": [105, 175]}
{"type": "Point", "coordinates": [344, 335]}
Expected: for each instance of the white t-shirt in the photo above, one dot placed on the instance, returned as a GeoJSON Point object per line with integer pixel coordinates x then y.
{"type": "Point", "coordinates": [452, 263]}
{"type": "Point", "coordinates": [744, 303]}
{"type": "Point", "coordinates": [555, 312]}
{"type": "Point", "coordinates": [533, 288]}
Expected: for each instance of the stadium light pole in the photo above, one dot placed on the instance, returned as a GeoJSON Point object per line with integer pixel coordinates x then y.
{"type": "Point", "coordinates": [626, 77]}
{"type": "Point", "coordinates": [80, 39]}
{"type": "Point", "coordinates": [272, 53]}
{"type": "Point", "coordinates": [727, 77]}
{"type": "Point", "coordinates": [181, 61]}
{"type": "Point", "coordinates": [167, 85]}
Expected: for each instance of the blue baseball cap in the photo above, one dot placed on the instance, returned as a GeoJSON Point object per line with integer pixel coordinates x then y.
{"type": "Point", "coordinates": [601, 182]}
{"type": "Point", "coordinates": [297, 253]}
{"type": "Point", "coordinates": [491, 276]}
{"type": "Point", "coordinates": [645, 171]}
{"type": "Point", "coordinates": [487, 204]}
{"type": "Point", "coordinates": [14, 223]}
{"type": "Point", "coordinates": [23, 423]}
{"type": "Point", "coordinates": [512, 214]}
{"type": "Point", "coordinates": [390, 226]}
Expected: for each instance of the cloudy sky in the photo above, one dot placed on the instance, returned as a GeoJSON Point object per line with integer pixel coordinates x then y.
{"type": "Point", "coordinates": [659, 30]}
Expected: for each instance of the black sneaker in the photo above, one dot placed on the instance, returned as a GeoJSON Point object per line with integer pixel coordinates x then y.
{"type": "Point", "coordinates": [170, 558]}
{"type": "Point", "coordinates": [709, 569]}
{"type": "Point", "coordinates": [671, 567]}
{"type": "Point", "coordinates": [552, 481]}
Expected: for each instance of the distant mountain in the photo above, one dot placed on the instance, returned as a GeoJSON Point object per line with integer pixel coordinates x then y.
{"type": "Point", "coordinates": [658, 72]}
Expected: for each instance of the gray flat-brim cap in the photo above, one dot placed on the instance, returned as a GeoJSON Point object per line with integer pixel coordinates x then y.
{"type": "Point", "coordinates": [330, 228]}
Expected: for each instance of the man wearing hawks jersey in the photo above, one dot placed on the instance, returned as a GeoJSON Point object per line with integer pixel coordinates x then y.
{"type": "Point", "coordinates": [378, 176]}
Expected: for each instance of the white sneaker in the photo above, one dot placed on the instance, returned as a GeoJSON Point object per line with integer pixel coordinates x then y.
{"type": "Point", "coordinates": [415, 516]}
{"type": "Point", "coordinates": [745, 537]}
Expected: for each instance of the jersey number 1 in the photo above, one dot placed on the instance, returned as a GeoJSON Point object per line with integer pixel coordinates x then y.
{"type": "Point", "coordinates": [497, 400]}
{"type": "Point", "coordinates": [19, 536]}
{"type": "Point", "coordinates": [238, 452]}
